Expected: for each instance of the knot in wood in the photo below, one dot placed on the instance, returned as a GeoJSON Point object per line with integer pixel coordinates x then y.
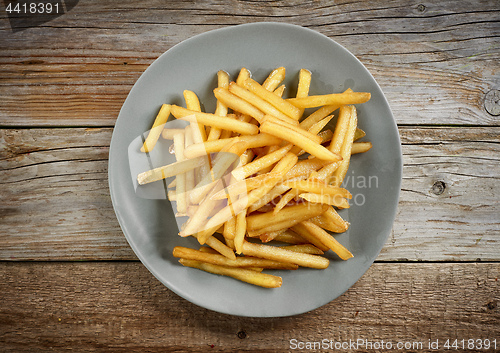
{"type": "Point", "coordinates": [438, 187]}
{"type": "Point", "coordinates": [242, 334]}
{"type": "Point", "coordinates": [492, 102]}
{"type": "Point", "coordinates": [421, 7]}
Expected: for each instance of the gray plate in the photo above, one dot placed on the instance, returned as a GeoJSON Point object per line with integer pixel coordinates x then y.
{"type": "Point", "coordinates": [374, 178]}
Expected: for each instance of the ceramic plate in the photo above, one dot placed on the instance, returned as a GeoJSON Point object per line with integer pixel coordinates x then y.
{"type": "Point", "coordinates": [373, 178]}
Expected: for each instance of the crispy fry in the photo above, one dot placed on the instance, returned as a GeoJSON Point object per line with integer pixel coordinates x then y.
{"type": "Point", "coordinates": [318, 188]}
{"type": "Point", "coordinates": [245, 275]}
{"type": "Point", "coordinates": [280, 254]}
{"type": "Point", "coordinates": [334, 200]}
{"type": "Point", "coordinates": [260, 163]}
{"type": "Point", "coordinates": [360, 147]}
{"type": "Point", "coordinates": [243, 203]}
{"type": "Point", "coordinates": [242, 76]}
{"type": "Point", "coordinates": [221, 108]}
{"type": "Point", "coordinates": [278, 102]}
{"type": "Point", "coordinates": [254, 141]}
{"type": "Point", "coordinates": [157, 128]}
{"type": "Point", "coordinates": [330, 99]}
{"type": "Point", "coordinates": [274, 79]}
{"type": "Point", "coordinates": [241, 229]}
{"type": "Point", "coordinates": [181, 178]}
{"type": "Point", "coordinates": [304, 248]}
{"type": "Point", "coordinates": [168, 134]}
{"type": "Point", "coordinates": [214, 120]}
{"type": "Point", "coordinates": [331, 220]}
{"type": "Point", "coordinates": [239, 261]}
{"type": "Point", "coordinates": [236, 103]}
{"type": "Point", "coordinates": [270, 196]}
{"type": "Point", "coordinates": [327, 239]}
{"type": "Point", "coordinates": [291, 215]}
{"type": "Point", "coordinates": [169, 170]}
{"type": "Point", "coordinates": [345, 151]}
{"type": "Point", "coordinates": [359, 134]}
{"type": "Point", "coordinates": [280, 90]}
{"type": "Point", "coordinates": [297, 139]}
{"type": "Point", "coordinates": [258, 102]}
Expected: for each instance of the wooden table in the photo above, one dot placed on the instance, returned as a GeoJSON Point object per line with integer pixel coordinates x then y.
{"type": "Point", "coordinates": [70, 281]}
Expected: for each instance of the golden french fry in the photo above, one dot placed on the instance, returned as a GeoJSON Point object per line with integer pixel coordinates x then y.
{"type": "Point", "coordinates": [279, 91]}
{"type": "Point", "coordinates": [157, 128]}
{"type": "Point", "coordinates": [256, 101]}
{"type": "Point", "coordinates": [245, 275]}
{"type": "Point", "coordinates": [190, 175]}
{"type": "Point", "coordinates": [340, 129]}
{"type": "Point", "coordinates": [236, 103]}
{"type": "Point", "coordinates": [241, 229]}
{"type": "Point", "coordinates": [361, 147]}
{"type": "Point", "coordinates": [274, 79]}
{"type": "Point", "coordinates": [278, 102]}
{"type": "Point", "coordinates": [221, 164]}
{"type": "Point", "coordinates": [254, 141]}
{"type": "Point", "coordinates": [304, 248]}
{"type": "Point", "coordinates": [308, 237]}
{"type": "Point", "coordinates": [243, 203]}
{"type": "Point", "coordinates": [326, 135]}
{"type": "Point", "coordinates": [331, 221]}
{"type": "Point", "coordinates": [305, 167]}
{"type": "Point", "coordinates": [325, 172]}
{"type": "Point", "coordinates": [181, 178]}
{"type": "Point", "coordinates": [334, 200]}
{"type": "Point", "coordinates": [169, 170]}
{"type": "Point", "coordinates": [221, 122]}
{"type": "Point", "coordinates": [168, 134]}
{"type": "Point", "coordinates": [260, 163]}
{"type": "Point", "coordinates": [345, 151]}
{"type": "Point", "coordinates": [217, 245]}
{"type": "Point", "coordinates": [285, 199]}
{"type": "Point", "coordinates": [229, 231]}
{"type": "Point", "coordinates": [193, 103]}
{"type": "Point", "coordinates": [318, 188]}
{"type": "Point", "coordinates": [217, 259]}
{"type": "Point", "coordinates": [242, 76]}
{"type": "Point", "coordinates": [243, 186]}
{"type": "Point", "coordinates": [289, 237]}
{"type": "Point", "coordinates": [318, 115]}
{"type": "Point", "coordinates": [196, 223]}
{"type": "Point", "coordinates": [280, 254]}
{"type": "Point", "coordinates": [303, 85]}
{"type": "Point", "coordinates": [327, 239]}
{"type": "Point", "coordinates": [300, 140]}
{"type": "Point", "coordinates": [359, 134]}
{"type": "Point", "coordinates": [270, 196]}
{"type": "Point", "coordinates": [330, 99]}
{"type": "Point", "coordinates": [291, 214]}
{"type": "Point", "coordinates": [221, 108]}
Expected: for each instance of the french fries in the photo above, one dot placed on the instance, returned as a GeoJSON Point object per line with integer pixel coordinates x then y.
{"type": "Point", "coordinates": [255, 191]}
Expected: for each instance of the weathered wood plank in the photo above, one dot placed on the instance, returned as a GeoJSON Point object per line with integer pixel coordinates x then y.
{"type": "Point", "coordinates": [120, 306]}
{"type": "Point", "coordinates": [77, 69]}
{"type": "Point", "coordinates": [56, 203]}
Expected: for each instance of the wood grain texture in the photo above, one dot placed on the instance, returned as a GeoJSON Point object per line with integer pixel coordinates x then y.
{"type": "Point", "coordinates": [56, 203]}
{"type": "Point", "coordinates": [121, 307]}
{"type": "Point", "coordinates": [435, 61]}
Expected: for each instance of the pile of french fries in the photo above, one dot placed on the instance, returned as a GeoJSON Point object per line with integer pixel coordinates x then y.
{"type": "Point", "coordinates": [258, 173]}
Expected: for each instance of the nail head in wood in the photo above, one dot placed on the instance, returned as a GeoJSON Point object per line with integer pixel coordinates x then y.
{"type": "Point", "coordinates": [492, 102]}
